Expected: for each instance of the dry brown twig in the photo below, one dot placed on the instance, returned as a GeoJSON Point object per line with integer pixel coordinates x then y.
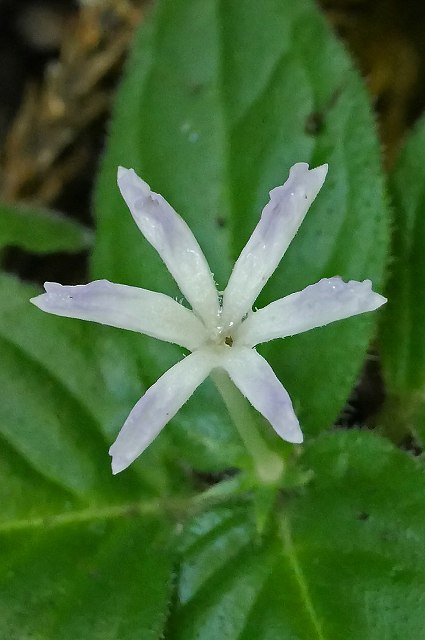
{"type": "Point", "coordinates": [45, 146]}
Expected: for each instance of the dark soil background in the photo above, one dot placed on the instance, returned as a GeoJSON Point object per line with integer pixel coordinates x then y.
{"type": "Point", "coordinates": [60, 61]}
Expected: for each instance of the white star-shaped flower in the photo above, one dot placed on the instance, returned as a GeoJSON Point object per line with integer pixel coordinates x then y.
{"type": "Point", "coordinates": [220, 331]}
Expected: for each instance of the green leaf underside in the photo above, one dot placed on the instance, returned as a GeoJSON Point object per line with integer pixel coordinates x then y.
{"type": "Point", "coordinates": [403, 327]}
{"type": "Point", "coordinates": [341, 561]}
{"type": "Point", "coordinates": [40, 230]}
{"type": "Point", "coordinates": [216, 105]}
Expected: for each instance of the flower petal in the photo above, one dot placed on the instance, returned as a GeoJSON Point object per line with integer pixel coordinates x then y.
{"type": "Point", "coordinates": [280, 221]}
{"type": "Point", "coordinates": [255, 378]}
{"type": "Point", "coordinates": [169, 234]}
{"type": "Point", "coordinates": [319, 304]}
{"type": "Point", "coordinates": [158, 406]}
{"type": "Point", "coordinates": [118, 305]}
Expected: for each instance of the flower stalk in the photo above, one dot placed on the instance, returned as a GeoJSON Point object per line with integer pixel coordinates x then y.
{"type": "Point", "coordinates": [268, 465]}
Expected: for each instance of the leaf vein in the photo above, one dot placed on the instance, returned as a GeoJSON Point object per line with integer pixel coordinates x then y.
{"type": "Point", "coordinates": [291, 554]}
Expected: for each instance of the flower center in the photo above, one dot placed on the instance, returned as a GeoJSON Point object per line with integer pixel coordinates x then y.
{"type": "Point", "coordinates": [222, 337]}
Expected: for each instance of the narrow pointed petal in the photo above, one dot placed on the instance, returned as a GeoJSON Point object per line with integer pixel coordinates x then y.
{"type": "Point", "coordinates": [280, 221]}
{"type": "Point", "coordinates": [169, 234]}
{"type": "Point", "coordinates": [157, 407]}
{"type": "Point", "coordinates": [257, 381]}
{"type": "Point", "coordinates": [118, 305]}
{"type": "Point", "coordinates": [319, 304]}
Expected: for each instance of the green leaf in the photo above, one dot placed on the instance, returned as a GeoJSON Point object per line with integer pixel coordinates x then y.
{"type": "Point", "coordinates": [83, 553]}
{"type": "Point", "coordinates": [40, 230]}
{"type": "Point", "coordinates": [340, 561]}
{"type": "Point", "coordinates": [85, 574]}
{"type": "Point", "coordinates": [218, 101]}
{"type": "Point", "coordinates": [50, 393]}
{"type": "Point", "coordinates": [403, 329]}
{"type": "Point", "coordinates": [68, 386]}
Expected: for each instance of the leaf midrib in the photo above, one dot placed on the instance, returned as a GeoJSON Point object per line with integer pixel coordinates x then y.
{"type": "Point", "coordinates": [291, 554]}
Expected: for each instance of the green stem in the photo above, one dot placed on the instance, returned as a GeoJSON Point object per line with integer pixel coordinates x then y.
{"type": "Point", "coordinates": [268, 465]}
{"type": "Point", "coordinates": [398, 416]}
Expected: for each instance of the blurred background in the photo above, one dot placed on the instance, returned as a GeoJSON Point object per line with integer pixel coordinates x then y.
{"type": "Point", "coordinates": [60, 62]}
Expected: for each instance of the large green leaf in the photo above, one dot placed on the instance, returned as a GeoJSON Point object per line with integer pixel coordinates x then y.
{"type": "Point", "coordinates": [40, 230]}
{"type": "Point", "coordinates": [83, 553]}
{"type": "Point", "coordinates": [218, 101]}
{"type": "Point", "coordinates": [403, 329]}
{"type": "Point", "coordinates": [345, 557]}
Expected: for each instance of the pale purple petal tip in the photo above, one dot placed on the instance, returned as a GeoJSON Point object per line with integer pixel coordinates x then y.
{"type": "Point", "coordinates": [169, 234]}
{"type": "Point", "coordinates": [317, 305]}
{"type": "Point", "coordinates": [279, 222]}
{"type": "Point", "coordinates": [118, 464]}
{"type": "Point", "coordinates": [157, 407]}
{"type": "Point", "coordinates": [132, 308]}
{"type": "Point", "coordinates": [44, 300]}
{"type": "Point", "coordinates": [121, 172]}
{"type": "Point", "coordinates": [132, 187]}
